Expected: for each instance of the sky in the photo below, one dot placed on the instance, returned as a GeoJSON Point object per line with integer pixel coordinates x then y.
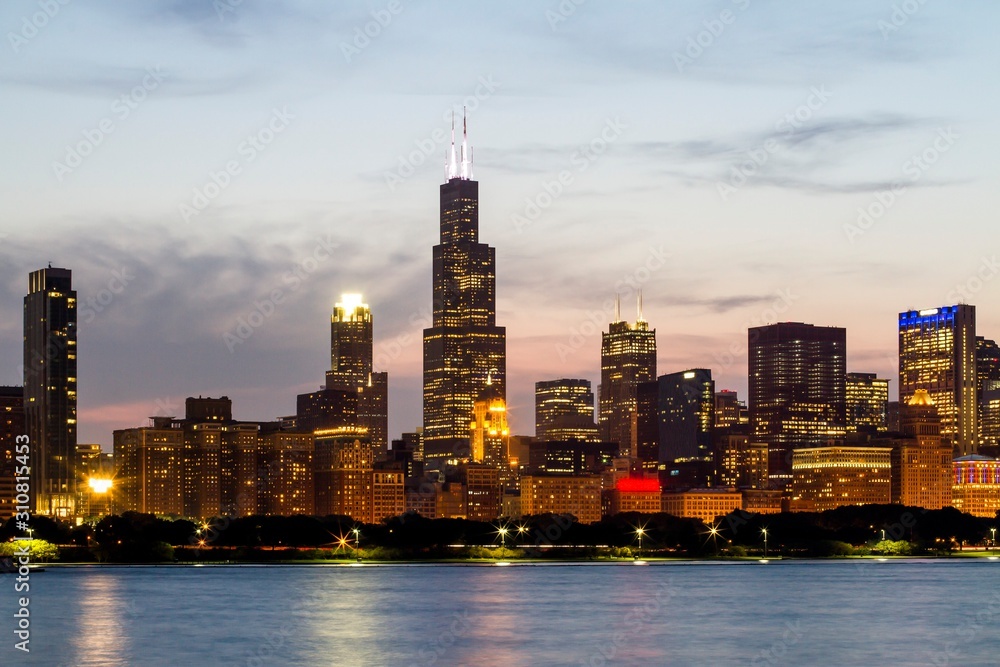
{"type": "Point", "coordinates": [217, 173]}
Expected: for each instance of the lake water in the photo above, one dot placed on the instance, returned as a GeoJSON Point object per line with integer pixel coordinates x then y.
{"type": "Point", "coordinates": [912, 612]}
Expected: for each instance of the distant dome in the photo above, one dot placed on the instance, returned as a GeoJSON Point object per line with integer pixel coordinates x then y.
{"type": "Point", "coordinates": [920, 397]}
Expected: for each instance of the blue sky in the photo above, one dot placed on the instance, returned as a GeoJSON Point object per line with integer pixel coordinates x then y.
{"type": "Point", "coordinates": [719, 154]}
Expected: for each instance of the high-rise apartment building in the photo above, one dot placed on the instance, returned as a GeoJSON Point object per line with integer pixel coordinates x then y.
{"type": "Point", "coordinates": [628, 358]}
{"type": "Point", "coordinates": [50, 388]}
{"type": "Point", "coordinates": [937, 352]}
{"type": "Point", "coordinates": [564, 410]}
{"type": "Point", "coordinates": [797, 390]}
{"type": "Point", "coordinates": [867, 400]}
{"type": "Point", "coordinates": [464, 346]}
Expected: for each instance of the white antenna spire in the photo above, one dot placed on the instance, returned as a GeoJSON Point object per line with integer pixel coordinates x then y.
{"type": "Point", "coordinates": [452, 159]}
{"type": "Point", "coordinates": [465, 145]}
{"type": "Point", "coordinates": [618, 307]}
{"type": "Point", "coordinates": [639, 307]}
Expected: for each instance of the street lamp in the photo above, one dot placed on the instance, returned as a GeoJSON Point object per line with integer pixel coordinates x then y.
{"type": "Point", "coordinates": [357, 542]}
{"type": "Point", "coordinates": [994, 540]}
{"type": "Point", "coordinates": [883, 534]}
{"type": "Point", "coordinates": [714, 533]}
{"type": "Point", "coordinates": [639, 532]}
{"type": "Point", "coordinates": [503, 538]}
{"type": "Point", "coordinates": [764, 531]}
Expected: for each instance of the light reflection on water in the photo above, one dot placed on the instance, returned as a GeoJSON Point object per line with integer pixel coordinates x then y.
{"type": "Point", "coordinates": [789, 613]}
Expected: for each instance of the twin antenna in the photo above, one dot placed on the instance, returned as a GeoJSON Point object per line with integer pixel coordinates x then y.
{"type": "Point", "coordinates": [618, 307]}
{"type": "Point", "coordinates": [452, 167]}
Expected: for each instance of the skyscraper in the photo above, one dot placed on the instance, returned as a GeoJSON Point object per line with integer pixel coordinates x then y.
{"type": "Point", "coordinates": [797, 389]}
{"type": "Point", "coordinates": [351, 337]}
{"type": "Point", "coordinates": [628, 358]}
{"type": "Point", "coordinates": [564, 409]}
{"type": "Point", "coordinates": [684, 415]}
{"type": "Point", "coordinates": [464, 346]}
{"type": "Point", "coordinates": [867, 402]}
{"type": "Point", "coordinates": [937, 352]}
{"type": "Point", "coordinates": [988, 390]}
{"type": "Point", "coordinates": [50, 388]}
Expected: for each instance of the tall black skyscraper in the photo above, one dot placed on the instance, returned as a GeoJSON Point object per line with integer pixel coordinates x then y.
{"type": "Point", "coordinates": [798, 377]}
{"type": "Point", "coordinates": [464, 347]}
{"type": "Point", "coordinates": [50, 388]}
{"type": "Point", "coordinates": [628, 358]}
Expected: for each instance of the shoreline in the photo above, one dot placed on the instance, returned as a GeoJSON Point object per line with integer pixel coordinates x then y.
{"type": "Point", "coordinates": [525, 562]}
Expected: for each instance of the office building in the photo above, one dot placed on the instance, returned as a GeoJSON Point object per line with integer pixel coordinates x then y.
{"type": "Point", "coordinates": [730, 411]}
{"type": "Point", "coordinates": [741, 463]}
{"type": "Point", "coordinates": [988, 390]}
{"type": "Point", "coordinates": [867, 400]}
{"type": "Point", "coordinates": [633, 494]}
{"type": "Point", "coordinates": [351, 339]}
{"type": "Point", "coordinates": [704, 504]}
{"type": "Point", "coordinates": [488, 430]}
{"type": "Point", "coordinates": [976, 485]}
{"type": "Point", "coordinates": [150, 461]}
{"type": "Point", "coordinates": [50, 363]}
{"type": "Point", "coordinates": [797, 375]}
{"type": "Point", "coordinates": [343, 463]}
{"type": "Point", "coordinates": [937, 352]}
{"type": "Point", "coordinates": [464, 346]}
{"type": "Point", "coordinates": [684, 414]}
{"type": "Point", "coordinates": [628, 358]}
{"type": "Point", "coordinates": [579, 495]}
{"type": "Point", "coordinates": [825, 478]}
{"type": "Point", "coordinates": [564, 410]}
{"type": "Point", "coordinates": [285, 478]}
{"type": "Point", "coordinates": [921, 460]}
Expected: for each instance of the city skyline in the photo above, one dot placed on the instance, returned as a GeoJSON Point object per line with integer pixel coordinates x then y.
{"type": "Point", "coordinates": [158, 293]}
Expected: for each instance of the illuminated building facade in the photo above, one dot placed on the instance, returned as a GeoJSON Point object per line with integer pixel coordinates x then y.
{"type": "Point", "coordinates": [825, 478]}
{"type": "Point", "coordinates": [50, 388]}
{"type": "Point", "coordinates": [488, 430]}
{"type": "Point", "coordinates": [388, 495]}
{"type": "Point", "coordinates": [564, 409]}
{"type": "Point", "coordinates": [579, 495]}
{"type": "Point", "coordinates": [351, 339]}
{"type": "Point", "coordinates": [342, 470]}
{"type": "Point", "coordinates": [634, 494]}
{"type": "Point", "coordinates": [867, 400]}
{"type": "Point", "coordinates": [464, 346]}
{"type": "Point", "coordinates": [573, 457]}
{"type": "Point", "coordinates": [285, 477]}
{"type": "Point", "coordinates": [797, 389]}
{"type": "Point", "coordinates": [937, 352]}
{"type": "Point", "coordinates": [11, 426]}
{"type": "Point", "coordinates": [976, 485]}
{"type": "Point", "coordinates": [730, 411]}
{"type": "Point", "coordinates": [704, 504]}
{"type": "Point", "coordinates": [741, 463]}
{"type": "Point", "coordinates": [763, 501]}
{"type": "Point", "coordinates": [150, 463]}
{"type": "Point", "coordinates": [628, 358]}
{"type": "Point", "coordinates": [921, 460]}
